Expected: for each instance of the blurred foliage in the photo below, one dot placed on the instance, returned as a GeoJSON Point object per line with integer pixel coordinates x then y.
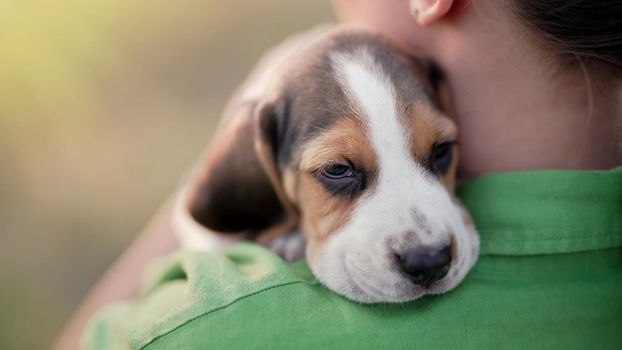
{"type": "Point", "coordinates": [103, 106]}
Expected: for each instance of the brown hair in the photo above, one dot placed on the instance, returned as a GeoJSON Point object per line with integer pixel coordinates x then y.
{"type": "Point", "coordinates": [588, 30]}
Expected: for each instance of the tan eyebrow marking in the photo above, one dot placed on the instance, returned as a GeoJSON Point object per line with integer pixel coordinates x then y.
{"type": "Point", "coordinates": [346, 139]}
{"type": "Point", "coordinates": [427, 126]}
{"type": "Point", "coordinates": [324, 213]}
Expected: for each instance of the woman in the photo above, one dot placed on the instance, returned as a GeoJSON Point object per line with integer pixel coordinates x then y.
{"type": "Point", "coordinates": [535, 87]}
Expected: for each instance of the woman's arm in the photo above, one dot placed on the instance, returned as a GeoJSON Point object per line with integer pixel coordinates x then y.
{"type": "Point", "coordinates": [121, 281]}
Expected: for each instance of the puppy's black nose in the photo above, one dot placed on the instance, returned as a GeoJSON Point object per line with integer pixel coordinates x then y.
{"type": "Point", "coordinates": [426, 267]}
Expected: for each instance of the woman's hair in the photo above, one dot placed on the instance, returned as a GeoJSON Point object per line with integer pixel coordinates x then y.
{"type": "Point", "coordinates": [588, 30]}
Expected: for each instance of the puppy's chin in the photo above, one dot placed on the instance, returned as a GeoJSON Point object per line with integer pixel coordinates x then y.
{"type": "Point", "coordinates": [372, 275]}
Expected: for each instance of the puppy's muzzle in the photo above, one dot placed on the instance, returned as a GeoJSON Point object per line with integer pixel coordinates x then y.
{"type": "Point", "coordinates": [425, 267]}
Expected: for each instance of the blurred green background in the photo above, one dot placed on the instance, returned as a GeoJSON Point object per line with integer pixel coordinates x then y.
{"type": "Point", "coordinates": [103, 106]}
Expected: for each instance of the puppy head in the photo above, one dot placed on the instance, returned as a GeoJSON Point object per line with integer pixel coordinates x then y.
{"type": "Point", "coordinates": [353, 145]}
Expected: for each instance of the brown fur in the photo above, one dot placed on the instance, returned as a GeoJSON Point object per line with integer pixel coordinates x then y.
{"type": "Point", "coordinates": [429, 126]}
{"type": "Point", "coordinates": [325, 213]}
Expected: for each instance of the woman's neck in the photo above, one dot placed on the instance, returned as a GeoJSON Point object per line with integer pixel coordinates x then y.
{"type": "Point", "coordinates": [517, 110]}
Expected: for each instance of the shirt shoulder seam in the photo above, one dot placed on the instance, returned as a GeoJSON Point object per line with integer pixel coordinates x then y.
{"type": "Point", "coordinates": [151, 341]}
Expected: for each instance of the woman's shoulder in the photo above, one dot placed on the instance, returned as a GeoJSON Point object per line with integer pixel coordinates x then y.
{"type": "Point", "coordinates": [551, 244]}
{"type": "Point", "coordinates": [249, 297]}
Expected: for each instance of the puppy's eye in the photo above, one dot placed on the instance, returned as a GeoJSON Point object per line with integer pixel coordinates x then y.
{"type": "Point", "coordinates": [440, 158]}
{"type": "Point", "coordinates": [341, 179]}
{"type": "Point", "coordinates": [337, 171]}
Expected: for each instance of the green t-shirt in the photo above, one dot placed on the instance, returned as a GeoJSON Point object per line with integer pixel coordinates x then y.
{"type": "Point", "coordinates": [549, 276]}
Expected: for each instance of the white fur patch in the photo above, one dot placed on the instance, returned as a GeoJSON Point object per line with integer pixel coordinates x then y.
{"type": "Point", "coordinates": [408, 208]}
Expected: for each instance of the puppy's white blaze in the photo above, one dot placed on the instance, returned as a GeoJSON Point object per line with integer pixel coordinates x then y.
{"type": "Point", "coordinates": [357, 260]}
{"type": "Point", "coordinates": [402, 181]}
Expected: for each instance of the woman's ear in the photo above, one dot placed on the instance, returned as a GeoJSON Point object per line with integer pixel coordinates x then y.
{"type": "Point", "coordinates": [427, 12]}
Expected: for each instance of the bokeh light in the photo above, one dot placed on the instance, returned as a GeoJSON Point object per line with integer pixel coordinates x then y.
{"type": "Point", "coordinates": [104, 104]}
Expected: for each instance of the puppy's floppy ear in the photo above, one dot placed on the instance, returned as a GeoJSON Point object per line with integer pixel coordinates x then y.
{"type": "Point", "coordinates": [239, 188]}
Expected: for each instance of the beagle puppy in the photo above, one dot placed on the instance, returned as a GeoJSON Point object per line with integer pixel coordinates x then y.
{"type": "Point", "coordinates": [338, 149]}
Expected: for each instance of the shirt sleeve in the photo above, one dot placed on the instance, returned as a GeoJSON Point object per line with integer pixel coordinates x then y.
{"type": "Point", "coordinates": [249, 298]}
{"type": "Point", "coordinates": [186, 285]}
